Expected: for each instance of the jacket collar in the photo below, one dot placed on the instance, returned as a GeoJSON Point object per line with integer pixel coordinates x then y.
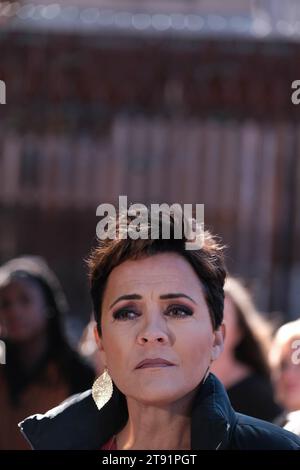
{"type": "Point", "coordinates": [77, 423]}
{"type": "Point", "coordinates": [213, 417]}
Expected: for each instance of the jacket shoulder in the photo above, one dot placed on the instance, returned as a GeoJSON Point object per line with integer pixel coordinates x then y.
{"type": "Point", "coordinates": [76, 424]}
{"type": "Point", "coordinates": [256, 434]}
{"type": "Point", "coordinates": [58, 423]}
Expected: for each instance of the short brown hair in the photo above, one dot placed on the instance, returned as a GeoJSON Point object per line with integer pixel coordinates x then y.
{"type": "Point", "coordinates": [208, 263]}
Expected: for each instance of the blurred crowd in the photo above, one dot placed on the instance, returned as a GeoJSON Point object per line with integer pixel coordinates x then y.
{"type": "Point", "coordinates": [259, 367]}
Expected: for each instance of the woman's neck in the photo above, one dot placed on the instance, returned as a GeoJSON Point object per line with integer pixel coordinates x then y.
{"type": "Point", "coordinates": [157, 427]}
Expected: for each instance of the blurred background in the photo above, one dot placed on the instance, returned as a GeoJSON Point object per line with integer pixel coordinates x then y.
{"type": "Point", "coordinates": [163, 101]}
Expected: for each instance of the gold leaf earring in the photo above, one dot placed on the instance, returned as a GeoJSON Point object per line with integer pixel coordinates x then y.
{"type": "Point", "coordinates": [102, 389]}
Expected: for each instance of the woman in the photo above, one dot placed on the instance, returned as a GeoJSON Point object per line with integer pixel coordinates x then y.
{"type": "Point", "coordinates": [285, 363]}
{"type": "Point", "coordinates": [243, 366]}
{"type": "Point", "coordinates": [159, 311]}
{"type": "Point", "coordinates": [41, 368]}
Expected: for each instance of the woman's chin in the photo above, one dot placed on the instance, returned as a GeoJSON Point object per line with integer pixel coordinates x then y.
{"type": "Point", "coordinates": [160, 394]}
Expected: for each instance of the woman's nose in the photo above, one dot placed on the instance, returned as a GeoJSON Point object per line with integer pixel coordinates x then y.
{"type": "Point", "coordinates": [153, 333]}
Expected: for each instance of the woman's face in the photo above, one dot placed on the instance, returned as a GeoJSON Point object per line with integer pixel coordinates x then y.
{"type": "Point", "coordinates": [22, 311]}
{"type": "Point", "coordinates": [287, 378]}
{"type": "Point", "coordinates": [154, 310]}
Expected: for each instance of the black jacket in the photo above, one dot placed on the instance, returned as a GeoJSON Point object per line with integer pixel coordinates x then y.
{"type": "Point", "coordinates": [77, 424]}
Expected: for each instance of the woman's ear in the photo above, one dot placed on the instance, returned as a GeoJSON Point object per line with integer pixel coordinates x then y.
{"type": "Point", "coordinates": [99, 343]}
{"type": "Point", "coordinates": [218, 345]}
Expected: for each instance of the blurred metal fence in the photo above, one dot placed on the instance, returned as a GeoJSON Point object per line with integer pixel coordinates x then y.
{"type": "Point", "coordinates": [247, 174]}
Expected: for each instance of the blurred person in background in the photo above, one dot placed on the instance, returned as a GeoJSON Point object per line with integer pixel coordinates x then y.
{"type": "Point", "coordinates": [41, 368]}
{"type": "Point", "coordinates": [285, 363]}
{"type": "Point", "coordinates": [88, 347]}
{"type": "Point", "coordinates": [243, 367]}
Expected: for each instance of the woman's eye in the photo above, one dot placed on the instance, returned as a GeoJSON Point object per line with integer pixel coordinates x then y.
{"type": "Point", "coordinates": [125, 314]}
{"type": "Point", "coordinates": [179, 311]}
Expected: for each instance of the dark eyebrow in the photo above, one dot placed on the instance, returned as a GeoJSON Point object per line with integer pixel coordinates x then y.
{"type": "Point", "coordinates": [127, 297]}
{"type": "Point", "coordinates": [162, 297]}
{"type": "Point", "coordinates": [176, 296]}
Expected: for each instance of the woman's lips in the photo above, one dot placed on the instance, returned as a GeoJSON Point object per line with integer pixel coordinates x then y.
{"type": "Point", "coordinates": [157, 362]}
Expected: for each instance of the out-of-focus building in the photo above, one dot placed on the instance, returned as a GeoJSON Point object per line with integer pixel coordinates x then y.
{"type": "Point", "coordinates": [164, 101]}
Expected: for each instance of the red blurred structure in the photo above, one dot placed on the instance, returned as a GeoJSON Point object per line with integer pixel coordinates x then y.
{"type": "Point", "coordinates": [163, 102]}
